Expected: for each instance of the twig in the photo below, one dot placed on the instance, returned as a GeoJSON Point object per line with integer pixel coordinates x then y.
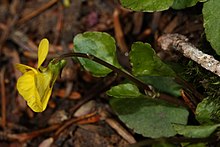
{"type": "Point", "coordinates": [23, 137]}
{"type": "Point", "coordinates": [188, 101]}
{"type": "Point", "coordinates": [38, 11]}
{"type": "Point", "coordinates": [172, 25]}
{"type": "Point", "coordinates": [119, 33]}
{"type": "Point", "coordinates": [180, 43]}
{"type": "Point", "coordinates": [3, 102]}
{"type": "Point", "coordinates": [71, 121]}
{"type": "Point", "coordinates": [117, 127]}
{"type": "Point", "coordinates": [138, 22]}
{"type": "Point", "coordinates": [190, 89]}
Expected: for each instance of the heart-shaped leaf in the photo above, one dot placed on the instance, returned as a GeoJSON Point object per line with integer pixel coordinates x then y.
{"type": "Point", "coordinates": [150, 69]}
{"type": "Point", "coordinates": [145, 62]}
{"type": "Point", "coordinates": [124, 91]}
{"type": "Point", "coordinates": [208, 111]}
{"type": "Point", "coordinates": [211, 15]}
{"type": "Point", "coordinates": [149, 117]}
{"type": "Point", "coordinates": [147, 5]}
{"type": "Point", "coordinates": [163, 84]}
{"type": "Point", "coordinates": [195, 131]}
{"type": "Point", "coordinates": [181, 4]}
{"type": "Point", "coordinates": [99, 44]}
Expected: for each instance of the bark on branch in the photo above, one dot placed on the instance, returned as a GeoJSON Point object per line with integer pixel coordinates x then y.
{"type": "Point", "coordinates": [180, 43]}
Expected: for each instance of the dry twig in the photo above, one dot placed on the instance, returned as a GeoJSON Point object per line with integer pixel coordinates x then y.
{"type": "Point", "coordinates": [188, 101]}
{"type": "Point", "coordinates": [117, 127]}
{"type": "Point", "coordinates": [180, 43]}
{"type": "Point", "coordinates": [3, 96]}
{"type": "Point", "coordinates": [119, 35]}
{"type": "Point", "coordinates": [37, 12]}
{"type": "Point", "coordinates": [89, 118]}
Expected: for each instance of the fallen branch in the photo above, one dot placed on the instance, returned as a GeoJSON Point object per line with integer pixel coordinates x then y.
{"type": "Point", "coordinates": [180, 43]}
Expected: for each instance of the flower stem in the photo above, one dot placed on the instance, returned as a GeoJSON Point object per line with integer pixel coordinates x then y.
{"type": "Point", "coordinates": [102, 62]}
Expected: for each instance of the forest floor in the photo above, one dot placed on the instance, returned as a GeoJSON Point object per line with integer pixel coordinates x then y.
{"type": "Point", "coordinates": [24, 23]}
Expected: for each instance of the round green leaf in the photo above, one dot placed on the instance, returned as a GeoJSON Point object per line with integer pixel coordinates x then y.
{"type": "Point", "coordinates": [181, 4]}
{"type": "Point", "coordinates": [147, 5]}
{"type": "Point", "coordinates": [124, 91]}
{"type": "Point", "coordinates": [149, 117]}
{"type": "Point", "coordinates": [163, 84]}
{"type": "Point", "coordinates": [208, 111]}
{"type": "Point", "coordinates": [145, 62]}
{"type": "Point", "coordinates": [99, 44]}
{"type": "Point", "coordinates": [211, 15]}
{"type": "Point", "coordinates": [195, 131]}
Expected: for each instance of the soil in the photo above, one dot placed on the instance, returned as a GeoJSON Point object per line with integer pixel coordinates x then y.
{"type": "Point", "coordinates": [24, 23]}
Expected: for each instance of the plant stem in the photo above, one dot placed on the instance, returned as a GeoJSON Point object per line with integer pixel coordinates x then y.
{"type": "Point", "coordinates": [102, 62]}
{"type": "Point", "coordinates": [121, 72]}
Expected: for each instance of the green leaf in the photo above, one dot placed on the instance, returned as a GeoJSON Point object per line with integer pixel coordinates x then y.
{"type": "Point", "coordinates": [203, 0]}
{"type": "Point", "coordinates": [124, 91]}
{"type": "Point", "coordinates": [145, 62]}
{"type": "Point", "coordinates": [163, 84]}
{"type": "Point", "coordinates": [99, 44]}
{"type": "Point", "coordinates": [195, 131]}
{"type": "Point", "coordinates": [211, 16]}
{"type": "Point", "coordinates": [189, 144]}
{"type": "Point", "coordinates": [208, 111]}
{"type": "Point", "coordinates": [149, 117]}
{"type": "Point", "coordinates": [181, 4]}
{"type": "Point", "coordinates": [147, 5]}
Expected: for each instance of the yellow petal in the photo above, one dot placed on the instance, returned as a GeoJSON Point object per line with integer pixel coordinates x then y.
{"type": "Point", "coordinates": [42, 51]}
{"type": "Point", "coordinates": [45, 98]}
{"type": "Point", "coordinates": [44, 87]}
{"type": "Point", "coordinates": [36, 89]}
{"type": "Point", "coordinates": [27, 88]}
{"type": "Point", "coordinates": [24, 68]}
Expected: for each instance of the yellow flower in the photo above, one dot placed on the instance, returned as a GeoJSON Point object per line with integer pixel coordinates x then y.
{"type": "Point", "coordinates": [35, 85]}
